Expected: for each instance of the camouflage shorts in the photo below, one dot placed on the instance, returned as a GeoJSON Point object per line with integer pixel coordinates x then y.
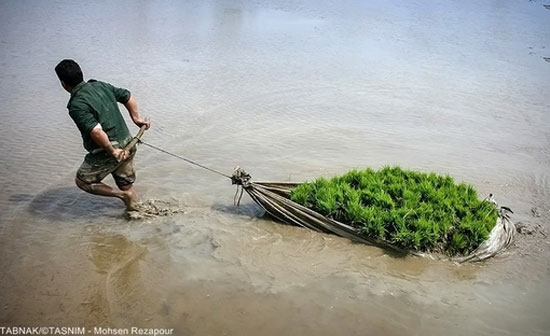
{"type": "Point", "coordinates": [95, 170]}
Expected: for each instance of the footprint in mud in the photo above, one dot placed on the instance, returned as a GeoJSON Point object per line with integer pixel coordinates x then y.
{"type": "Point", "coordinates": [155, 208]}
{"type": "Point", "coordinates": [530, 229]}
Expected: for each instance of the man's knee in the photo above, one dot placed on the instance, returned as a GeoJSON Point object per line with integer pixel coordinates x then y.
{"type": "Point", "coordinates": [124, 181]}
{"type": "Point", "coordinates": [124, 187]}
{"type": "Point", "coordinates": [87, 187]}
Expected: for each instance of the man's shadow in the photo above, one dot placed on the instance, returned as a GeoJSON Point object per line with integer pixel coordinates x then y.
{"type": "Point", "coordinates": [67, 203]}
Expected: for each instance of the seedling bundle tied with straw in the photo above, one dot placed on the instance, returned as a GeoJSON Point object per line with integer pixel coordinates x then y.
{"type": "Point", "coordinates": [408, 209]}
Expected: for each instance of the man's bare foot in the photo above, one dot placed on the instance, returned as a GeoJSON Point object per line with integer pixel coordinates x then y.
{"type": "Point", "coordinates": [130, 200]}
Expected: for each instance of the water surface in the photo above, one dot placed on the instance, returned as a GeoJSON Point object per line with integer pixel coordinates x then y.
{"type": "Point", "coordinates": [288, 90]}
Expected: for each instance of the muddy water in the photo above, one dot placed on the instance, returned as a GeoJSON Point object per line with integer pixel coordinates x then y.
{"type": "Point", "coordinates": [289, 91]}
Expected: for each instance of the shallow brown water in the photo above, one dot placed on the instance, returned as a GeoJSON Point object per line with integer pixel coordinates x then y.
{"type": "Point", "coordinates": [289, 91]}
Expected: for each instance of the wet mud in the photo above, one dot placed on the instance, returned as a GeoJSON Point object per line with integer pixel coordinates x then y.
{"type": "Point", "coordinates": [155, 208]}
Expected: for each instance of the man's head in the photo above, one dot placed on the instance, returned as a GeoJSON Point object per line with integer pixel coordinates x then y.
{"type": "Point", "coordinates": [69, 73]}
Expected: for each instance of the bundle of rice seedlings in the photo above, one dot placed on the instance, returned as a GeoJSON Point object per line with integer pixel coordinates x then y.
{"type": "Point", "coordinates": [409, 209]}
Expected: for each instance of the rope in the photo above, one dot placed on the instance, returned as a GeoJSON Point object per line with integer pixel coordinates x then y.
{"type": "Point", "coordinates": [237, 198]}
{"type": "Point", "coordinates": [184, 159]}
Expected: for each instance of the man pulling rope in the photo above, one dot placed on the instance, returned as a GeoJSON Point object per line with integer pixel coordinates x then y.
{"type": "Point", "coordinates": [93, 107]}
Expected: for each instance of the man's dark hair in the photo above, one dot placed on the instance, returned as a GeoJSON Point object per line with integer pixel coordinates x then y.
{"type": "Point", "coordinates": [69, 72]}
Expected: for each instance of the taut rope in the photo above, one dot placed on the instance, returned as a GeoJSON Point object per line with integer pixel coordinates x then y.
{"type": "Point", "coordinates": [184, 159]}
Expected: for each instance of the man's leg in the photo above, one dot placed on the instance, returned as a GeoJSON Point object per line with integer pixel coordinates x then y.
{"type": "Point", "coordinates": [132, 197]}
{"type": "Point", "coordinates": [127, 195]}
{"type": "Point", "coordinates": [125, 176]}
{"type": "Point", "coordinates": [90, 175]}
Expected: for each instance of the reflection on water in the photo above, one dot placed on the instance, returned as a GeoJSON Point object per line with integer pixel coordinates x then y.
{"type": "Point", "coordinates": [289, 91]}
{"type": "Point", "coordinates": [112, 254]}
{"type": "Point", "coordinates": [68, 203]}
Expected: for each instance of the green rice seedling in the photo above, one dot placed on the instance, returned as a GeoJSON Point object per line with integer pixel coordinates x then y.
{"type": "Point", "coordinates": [458, 244]}
{"type": "Point", "coordinates": [353, 178]}
{"type": "Point", "coordinates": [413, 210]}
{"type": "Point", "coordinates": [428, 232]}
{"type": "Point", "coordinates": [396, 189]}
{"type": "Point", "coordinates": [368, 179]}
{"type": "Point", "coordinates": [406, 239]}
{"type": "Point", "coordinates": [353, 211]}
{"type": "Point", "coordinates": [367, 197]}
{"type": "Point", "coordinates": [383, 200]}
{"type": "Point", "coordinates": [371, 222]}
{"type": "Point", "coordinates": [327, 199]}
{"type": "Point", "coordinates": [411, 199]}
{"type": "Point", "coordinates": [303, 195]}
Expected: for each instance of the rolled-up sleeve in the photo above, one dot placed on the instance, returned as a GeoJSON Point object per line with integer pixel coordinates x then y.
{"type": "Point", "coordinates": [121, 95]}
{"type": "Point", "coordinates": [84, 119]}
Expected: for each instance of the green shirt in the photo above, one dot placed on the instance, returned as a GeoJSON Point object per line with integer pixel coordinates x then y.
{"type": "Point", "coordinates": [94, 103]}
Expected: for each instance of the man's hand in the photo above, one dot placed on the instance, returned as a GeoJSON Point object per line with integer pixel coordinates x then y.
{"type": "Point", "coordinates": [120, 154]}
{"type": "Point", "coordinates": [143, 122]}
{"type": "Point", "coordinates": [102, 140]}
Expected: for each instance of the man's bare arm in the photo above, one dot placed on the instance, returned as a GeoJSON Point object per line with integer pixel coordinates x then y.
{"type": "Point", "coordinates": [102, 140]}
{"type": "Point", "coordinates": [132, 107]}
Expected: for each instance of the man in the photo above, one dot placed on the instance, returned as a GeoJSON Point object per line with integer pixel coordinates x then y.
{"type": "Point", "coordinates": [93, 107]}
